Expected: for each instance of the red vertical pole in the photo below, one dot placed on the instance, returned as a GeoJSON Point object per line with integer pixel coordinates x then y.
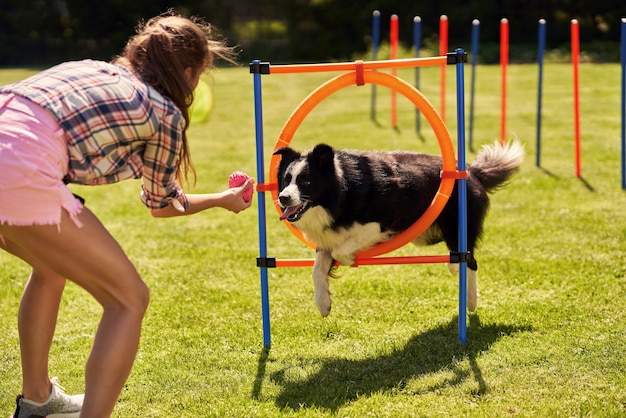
{"type": "Point", "coordinates": [443, 50]}
{"type": "Point", "coordinates": [504, 61]}
{"type": "Point", "coordinates": [575, 60]}
{"type": "Point", "coordinates": [393, 52]}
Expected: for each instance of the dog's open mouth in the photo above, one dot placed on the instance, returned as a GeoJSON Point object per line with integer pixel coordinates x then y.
{"type": "Point", "coordinates": [294, 213]}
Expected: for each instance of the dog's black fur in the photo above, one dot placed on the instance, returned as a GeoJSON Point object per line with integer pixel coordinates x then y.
{"type": "Point", "coordinates": [348, 201]}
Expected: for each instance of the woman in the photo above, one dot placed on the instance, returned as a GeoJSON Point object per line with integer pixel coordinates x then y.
{"type": "Point", "coordinates": [92, 122]}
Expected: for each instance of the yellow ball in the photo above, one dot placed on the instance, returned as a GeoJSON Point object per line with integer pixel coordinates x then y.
{"type": "Point", "coordinates": [202, 105]}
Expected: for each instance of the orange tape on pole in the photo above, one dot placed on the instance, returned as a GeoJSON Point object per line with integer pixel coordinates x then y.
{"type": "Point", "coordinates": [428, 111]}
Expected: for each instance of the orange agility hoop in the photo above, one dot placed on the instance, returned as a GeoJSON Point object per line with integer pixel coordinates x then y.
{"type": "Point", "coordinates": [449, 173]}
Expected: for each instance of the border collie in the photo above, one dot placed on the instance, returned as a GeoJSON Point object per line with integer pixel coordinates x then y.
{"type": "Point", "coordinates": [347, 201]}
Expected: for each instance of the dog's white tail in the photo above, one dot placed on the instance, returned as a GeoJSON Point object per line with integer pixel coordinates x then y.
{"type": "Point", "coordinates": [496, 163]}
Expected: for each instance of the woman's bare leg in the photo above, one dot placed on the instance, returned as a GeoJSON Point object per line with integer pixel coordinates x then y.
{"type": "Point", "coordinates": [36, 323]}
{"type": "Point", "coordinates": [91, 257]}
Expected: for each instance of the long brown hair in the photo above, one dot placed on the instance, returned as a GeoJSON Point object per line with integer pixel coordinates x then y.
{"type": "Point", "coordinates": [161, 50]}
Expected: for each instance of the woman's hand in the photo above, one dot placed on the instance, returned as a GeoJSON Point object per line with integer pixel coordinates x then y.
{"type": "Point", "coordinates": [235, 202]}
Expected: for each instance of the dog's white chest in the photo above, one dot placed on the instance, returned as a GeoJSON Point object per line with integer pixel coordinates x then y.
{"type": "Point", "coordinates": [346, 241]}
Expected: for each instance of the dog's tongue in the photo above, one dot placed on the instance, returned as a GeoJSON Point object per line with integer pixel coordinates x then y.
{"type": "Point", "coordinates": [289, 211]}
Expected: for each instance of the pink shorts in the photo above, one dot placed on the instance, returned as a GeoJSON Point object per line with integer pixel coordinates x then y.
{"type": "Point", "coordinates": [33, 162]}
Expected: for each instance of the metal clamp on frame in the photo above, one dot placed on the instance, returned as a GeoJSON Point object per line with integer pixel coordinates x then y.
{"type": "Point", "coordinates": [269, 262]}
{"type": "Point", "coordinates": [460, 257]}
{"type": "Point", "coordinates": [259, 68]}
{"type": "Point", "coordinates": [456, 58]}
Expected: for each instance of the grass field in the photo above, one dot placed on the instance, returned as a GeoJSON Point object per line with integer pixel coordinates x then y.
{"type": "Point", "coordinates": [549, 335]}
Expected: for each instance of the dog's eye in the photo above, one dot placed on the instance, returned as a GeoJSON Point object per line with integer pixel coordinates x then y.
{"type": "Point", "coordinates": [304, 182]}
{"type": "Point", "coordinates": [287, 178]}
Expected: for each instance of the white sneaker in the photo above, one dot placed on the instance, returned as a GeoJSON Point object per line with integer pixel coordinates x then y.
{"type": "Point", "coordinates": [58, 405]}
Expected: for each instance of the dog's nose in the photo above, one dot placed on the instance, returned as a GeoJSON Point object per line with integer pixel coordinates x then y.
{"type": "Point", "coordinates": [284, 200]}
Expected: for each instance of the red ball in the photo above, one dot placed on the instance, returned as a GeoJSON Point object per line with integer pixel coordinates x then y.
{"type": "Point", "coordinates": [238, 178]}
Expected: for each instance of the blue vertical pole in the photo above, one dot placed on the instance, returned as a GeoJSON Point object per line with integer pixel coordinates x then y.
{"type": "Point", "coordinates": [540, 52]}
{"type": "Point", "coordinates": [417, 43]}
{"type": "Point", "coordinates": [462, 192]}
{"type": "Point", "coordinates": [375, 46]}
{"type": "Point", "coordinates": [260, 174]}
{"type": "Point", "coordinates": [623, 53]}
{"type": "Point", "coordinates": [475, 37]}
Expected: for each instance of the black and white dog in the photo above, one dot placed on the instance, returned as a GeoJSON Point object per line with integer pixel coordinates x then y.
{"type": "Point", "coordinates": [346, 202]}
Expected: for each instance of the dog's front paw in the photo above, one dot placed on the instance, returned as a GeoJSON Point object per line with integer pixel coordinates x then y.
{"type": "Point", "coordinates": [323, 302]}
{"type": "Point", "coordinates": [344, 259]}
{"type": "Point", "coordinates": [472, 302]}
{"type": "Point", "coordinates": [472, 286]}
{"type": "Point", "coordinates": [472, 290]}
{"type": "Point", "coordinates": [321, 267]}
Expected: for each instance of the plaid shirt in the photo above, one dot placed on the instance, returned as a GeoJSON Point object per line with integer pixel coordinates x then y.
{"type": "Point", "coordinates": [117, 127]}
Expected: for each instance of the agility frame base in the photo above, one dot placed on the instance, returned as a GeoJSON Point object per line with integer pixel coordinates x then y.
{"type": "Point", "coordinates": [361, 73]}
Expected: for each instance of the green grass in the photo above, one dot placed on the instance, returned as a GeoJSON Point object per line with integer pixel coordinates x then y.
{"type": "Point", "coordinates": [549, 336]}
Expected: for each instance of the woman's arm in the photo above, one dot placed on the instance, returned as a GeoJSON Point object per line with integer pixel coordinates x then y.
{"type": "Point", "coordinates": [230, 199]}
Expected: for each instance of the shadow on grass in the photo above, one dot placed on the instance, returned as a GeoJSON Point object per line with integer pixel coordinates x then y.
{"type": "Point", "coordinates": [586, 184]}
{"type": "Point", "coordinates": [340, 381]}
{"type": "Point", "coordinates": [548, 172]}
{"type": "Point", "coordinates": [582, 179]}
{"type": "Point", "coordinates": [260, 373]}
{"type": "Point", "coordinates": [376, 122]}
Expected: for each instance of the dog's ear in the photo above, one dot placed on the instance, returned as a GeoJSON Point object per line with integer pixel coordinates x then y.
{"type": "Point", "coordinates": [322, 156]}
{"type": "Point", "coordinates": [287, 154]}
